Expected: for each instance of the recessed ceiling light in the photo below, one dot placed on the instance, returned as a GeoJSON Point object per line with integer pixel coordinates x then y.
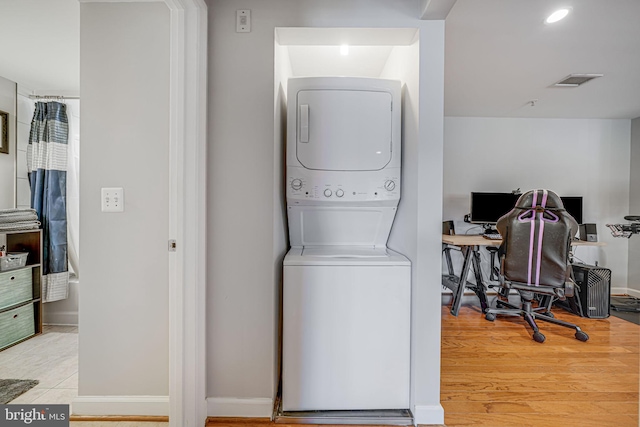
{"type": "Point", "coordinates": [344, 50]}
{"type": "Point", "coordinates": [557, 15]}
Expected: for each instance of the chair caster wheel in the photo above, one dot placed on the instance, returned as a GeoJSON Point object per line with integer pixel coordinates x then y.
{"type": "Point", "coordinates": [490, 317]}
{"type": "Point", "coordinates": [581, 336]}
{"type": "Point", "coordinates": [549, 314]}
{"type": "Point", "coordinates": [538, 337]}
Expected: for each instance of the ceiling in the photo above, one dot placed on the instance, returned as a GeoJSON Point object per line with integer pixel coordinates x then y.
{"type": "Point", "coordinates": [41, 44]}
{"type": "Point", "coordinates": [499, 55]}
{"type": "Point", "coordinates": [315, 52]}
{"type": "Point", "coordinates": [316, 61]}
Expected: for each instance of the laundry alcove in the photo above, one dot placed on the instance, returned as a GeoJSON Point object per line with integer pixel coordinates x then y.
{"type": "Point", "coordinates": [386, 53]}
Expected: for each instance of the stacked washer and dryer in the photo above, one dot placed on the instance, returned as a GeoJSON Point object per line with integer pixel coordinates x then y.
{"type": "Point", "coordinates": [346, 296]}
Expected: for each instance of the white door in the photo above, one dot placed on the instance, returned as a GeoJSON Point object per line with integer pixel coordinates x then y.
{"type": "Point", "coordinates": [344, 130]}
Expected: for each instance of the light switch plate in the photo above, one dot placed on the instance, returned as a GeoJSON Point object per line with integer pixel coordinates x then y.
{"type": "Point", "coordinates": [113, 199]}
{"type": "Point", "coordinates": [243, 21]}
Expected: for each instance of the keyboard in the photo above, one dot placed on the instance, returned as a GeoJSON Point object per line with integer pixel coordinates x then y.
{"type": "Point", "coordinates": [492, 236]}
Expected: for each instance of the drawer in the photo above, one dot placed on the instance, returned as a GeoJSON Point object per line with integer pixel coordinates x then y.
{"type": "Point", "coordinates": [16, 324]}
{"type": "Point", "coordinates": [15, 287]}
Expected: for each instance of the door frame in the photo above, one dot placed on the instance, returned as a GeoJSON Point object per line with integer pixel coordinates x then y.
{"type": "Point", "coordinates": [187, 208]}
{"type": "Point", "coordinates": [187, 212]}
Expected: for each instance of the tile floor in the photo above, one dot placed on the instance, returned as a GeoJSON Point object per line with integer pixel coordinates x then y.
{"type": "Point", "coordinates": [52, 358]}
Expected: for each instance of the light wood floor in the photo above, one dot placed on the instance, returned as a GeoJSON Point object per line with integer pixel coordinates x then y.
{"type": "Point", "coordinates": [493, 373]}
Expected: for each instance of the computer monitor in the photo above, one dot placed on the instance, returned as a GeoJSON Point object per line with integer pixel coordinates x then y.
{"type": "Point", "coordinates": [487, 208]}
{"type": "Point", "coordinates": [573, 206]}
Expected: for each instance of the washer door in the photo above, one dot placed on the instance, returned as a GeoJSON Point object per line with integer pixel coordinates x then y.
{"type": "Point", "coordinates": [344, 130]}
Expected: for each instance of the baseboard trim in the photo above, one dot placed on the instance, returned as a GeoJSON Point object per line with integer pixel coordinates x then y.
{"type": "Point", "coordinates": [120, 406]}
{"type": "Point", "coordinates": [428, 414]}
{"type": "Point", "coordinates": [61, 318]}
{"type": "Point", "coordinates": [633, 293]}
{"type": "Point", "coordinates": [240, 408]}
{"type": "Point", "coordinates": [625, 291]}
{"type": "Point", "coordinates": [239, 420]}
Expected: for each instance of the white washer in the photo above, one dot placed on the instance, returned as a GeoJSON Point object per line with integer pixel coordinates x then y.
{"type": "Point", "coordinates": [346, 296]}
{"type": "Point", "coordinates": [345, 330]}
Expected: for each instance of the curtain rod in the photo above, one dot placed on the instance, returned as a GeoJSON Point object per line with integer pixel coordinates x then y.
{"type": "Point", "coordinates": [52, 97]}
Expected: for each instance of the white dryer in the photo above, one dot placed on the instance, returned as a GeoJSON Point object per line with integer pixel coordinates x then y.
{"type": "Point", "coordinates": [346, 296]}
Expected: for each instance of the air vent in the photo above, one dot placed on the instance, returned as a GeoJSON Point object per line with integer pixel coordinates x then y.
{"type": "Point", "coordinates": [575, 80]}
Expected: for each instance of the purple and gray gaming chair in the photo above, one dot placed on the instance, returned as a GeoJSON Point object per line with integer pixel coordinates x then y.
{"type": "Point", "coordinates": [536, 243]}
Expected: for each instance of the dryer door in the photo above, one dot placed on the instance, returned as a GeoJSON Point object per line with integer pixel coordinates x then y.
{"type": "Point", "coordinates": [344, 130]}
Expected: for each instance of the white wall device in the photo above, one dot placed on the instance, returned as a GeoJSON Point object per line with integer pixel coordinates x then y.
{"type": "Point", "coordinates": [346, 296]}
{"type": "Point", "coordinates": [112, 199]}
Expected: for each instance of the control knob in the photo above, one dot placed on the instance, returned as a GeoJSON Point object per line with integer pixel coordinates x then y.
{"type": "Point", "coordinates": [389, 185]}
{"type": "Point", "coordinates": [296, 184]}
{"type": "Point", "coordinates": [339, 193]}
{"type": "Point", "coordinates": [327, 193]}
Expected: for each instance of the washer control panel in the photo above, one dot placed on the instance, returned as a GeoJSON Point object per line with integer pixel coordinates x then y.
{"type": "Point", "coordinates": [342, 187]}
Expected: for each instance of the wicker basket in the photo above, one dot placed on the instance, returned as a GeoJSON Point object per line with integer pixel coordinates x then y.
{"type": "Point", "coordinates": [13, 260]}
{"type": "Point", "coordinates": [16, 325]}
{"type": "Point", "coordinates": [15, 287]}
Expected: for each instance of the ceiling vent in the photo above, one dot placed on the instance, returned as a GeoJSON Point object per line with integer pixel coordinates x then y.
{"type": "Point", "coordinates": [575, 80]}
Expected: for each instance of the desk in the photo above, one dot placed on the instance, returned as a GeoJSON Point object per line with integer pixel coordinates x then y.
{"type": "Point", "coordinates": [470, 244]}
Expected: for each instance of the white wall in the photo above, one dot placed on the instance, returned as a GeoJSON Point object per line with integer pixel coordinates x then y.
{"type": "Point", "coordinates": [8, 104]}
{"type": "Point", "coordinates": [634, 207]}
{"type": "Point", "coordinates": [426, 282]}
{"type": "Point", "coordinates": [245, 225]}
{"type": "Point", "coordinates": [404, 64]}
{"type": "Point", "coordinates": [26, 107]}
{"type": "Point", "coordinates": [414, 232]}
{"type": "Point", "coordinates": [573, 157]}
{"type": "Point", "coordinates": [123, 342]}
{"type": "Point", "coordinates": [280, 232]}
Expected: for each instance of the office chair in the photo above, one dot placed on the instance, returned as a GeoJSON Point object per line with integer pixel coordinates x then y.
{"type": "Point", "coordinates": [534, 255]}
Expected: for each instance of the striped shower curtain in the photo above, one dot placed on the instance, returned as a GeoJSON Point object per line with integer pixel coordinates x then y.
{"type": "Point", "coordinates": [47, 165]}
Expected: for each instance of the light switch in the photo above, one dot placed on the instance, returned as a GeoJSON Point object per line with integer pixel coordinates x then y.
{"type": "Point", "coordinates": [113, 199]}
